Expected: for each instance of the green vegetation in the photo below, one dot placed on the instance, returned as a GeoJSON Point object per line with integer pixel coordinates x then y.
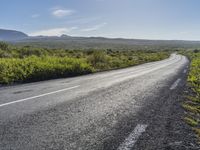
{"type": "Point", "coordinates": [191, 121]}
{"type": "Point", "coordinates": [41, 68]}
{"type": "Point", "coordinates": [193, 100]}
{"type": "Point", "coordinates": [26, 64]}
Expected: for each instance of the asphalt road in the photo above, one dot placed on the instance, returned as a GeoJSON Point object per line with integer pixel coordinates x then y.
{"type": "Point", "coordinates": [121, 109]}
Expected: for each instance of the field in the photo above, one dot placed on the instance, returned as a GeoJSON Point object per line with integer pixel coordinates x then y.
{"type": "Point", "coordinates": [192, 105]}
{"type": "Point", "coordinates": [27, 64]}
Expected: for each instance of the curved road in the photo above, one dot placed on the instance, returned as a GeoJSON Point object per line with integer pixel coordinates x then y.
{"type": "Point", "coordinates": [117, 109]}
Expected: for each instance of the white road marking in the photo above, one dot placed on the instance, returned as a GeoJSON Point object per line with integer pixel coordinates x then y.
{"type": "Point", "coordinates": [184, 71]}
{"type": "Point", "coordinates": [175, 84]}
{"type": "Point", "coordinates": [34, 97]}
{"type": "Point", "coordinates": [133, 137]}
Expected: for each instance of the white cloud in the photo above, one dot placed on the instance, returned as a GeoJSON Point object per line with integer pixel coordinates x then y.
{"type": "Point", "coordinates": [35, 16]}
{"type": "Point", "coordinates": [53, 31]}
{"type": "Point", "coordinates": [94, 28]}
{"type": "Point", "coordinates": [60, 13]}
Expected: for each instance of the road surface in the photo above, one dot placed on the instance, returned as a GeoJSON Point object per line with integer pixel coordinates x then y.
{"type": "Point", "coordinates": [120, 109]}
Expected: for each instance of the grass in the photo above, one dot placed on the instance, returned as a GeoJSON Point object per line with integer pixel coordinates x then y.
{"type": "Point", "coordinates": [192, 105]}
{"type": "Point", "coordinates": [27, 64]}
{"type": "Point", "coordinates": [191, 121]}
{"type": "Point", "coordinates": [197, 130]}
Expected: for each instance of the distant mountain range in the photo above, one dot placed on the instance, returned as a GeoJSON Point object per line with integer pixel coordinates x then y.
{"type": "Point", "coordinates": [70, 42]}
{"type": "Point", "coordinates": [11, 35]}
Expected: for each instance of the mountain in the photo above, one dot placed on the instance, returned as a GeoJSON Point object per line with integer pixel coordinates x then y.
{"type": "Point", "coordinates": [71, 42]}
{"type": "Point", "coordinates": [11, 35]}
{"type": "Point", "coordinates": [64, 36]}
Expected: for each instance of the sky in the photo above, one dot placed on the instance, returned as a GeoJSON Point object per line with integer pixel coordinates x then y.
{"type": "Point", "coordinates": [138, 19]}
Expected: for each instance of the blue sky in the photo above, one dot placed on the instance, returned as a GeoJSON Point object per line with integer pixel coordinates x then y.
{"type": "Point", "coordinates": [143, 19]}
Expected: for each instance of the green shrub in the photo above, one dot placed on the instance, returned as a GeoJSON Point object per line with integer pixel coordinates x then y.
{"type": "Point", "coordinates": [193, 104]}
{"type": "Point", "coordinates": [3, 45]}
{"type": "Point", "coordinates": [26, 64]}
{"type": "Point", "coordinates": [41, 68]}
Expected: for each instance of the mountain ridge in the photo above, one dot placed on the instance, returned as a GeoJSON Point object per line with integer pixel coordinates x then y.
{"type": "Point", "coordinates": [72, 42]}
{"type": "Point", "coordinates": [10, 35]}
